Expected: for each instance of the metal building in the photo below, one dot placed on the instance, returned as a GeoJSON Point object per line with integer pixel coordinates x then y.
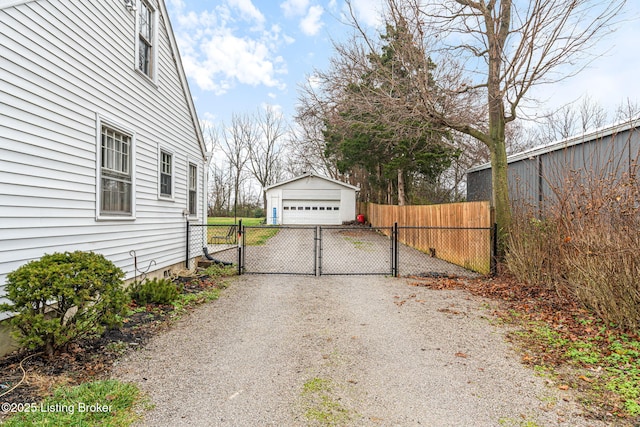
{"type": "Point", "coordinates": [535, 174]}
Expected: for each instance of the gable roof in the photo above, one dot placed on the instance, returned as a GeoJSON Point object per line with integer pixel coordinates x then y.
{"type": "Point", "coordinates": [312, 175]}
{"type": "Point", "coordinates": [175, 55]}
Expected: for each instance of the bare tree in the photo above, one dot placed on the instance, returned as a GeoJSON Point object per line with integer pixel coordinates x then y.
{"type": "Point", "coordinates": [236, 142]}
{"type": "Point", "coordinates": [569, 120]}
{"type": "Point", "coordinates": [306, 144]}
{"type": "Point", "coordinates": [489, 54]}
{"type": "Point", "coordinates": [220, 188]}
{"type": "Point", "coordinates": [628, 111]}
{"type": "Point", "coordinates": [217, 184]}
{"type": "Point", "coordinates": [265, 152]}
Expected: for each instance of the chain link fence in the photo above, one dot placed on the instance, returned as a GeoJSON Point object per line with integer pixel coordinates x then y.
{"type": "Point", "coordinates": [356, 250]}
{"type": "Point", "coordinates": [344, 250]}
{"type": "Point", "coordinates": [454, 251]}
{"type": "Point", "coordinates": [279, 250]}
{"type": "Point", "coordinates": [220, 242]}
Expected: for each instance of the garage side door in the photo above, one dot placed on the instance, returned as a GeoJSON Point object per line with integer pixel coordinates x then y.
{"type": "Point", "coordinates": [316, 212]}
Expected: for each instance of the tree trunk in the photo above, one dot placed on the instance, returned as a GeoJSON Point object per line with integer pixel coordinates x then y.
{"type": "Point", "coordinates": [401, 193]}
{"type": "Point", "coordinates": [264, 203]}
{"type": "Point", "coordinates": [499, 174]}
{"type": "Point", "coordinates": [497, 29]}
{"type": "Point", "coordinates": [500, 194]}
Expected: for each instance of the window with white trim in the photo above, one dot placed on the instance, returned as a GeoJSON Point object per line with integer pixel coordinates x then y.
{"type": "Point", "coordinates": [116, 189]}
{"type": "Point", "coordinates": [193, 190]}
{"type": "Point", "coordinates": [166, 174]}
{"type": "Point", "coordinates": [146, 38]}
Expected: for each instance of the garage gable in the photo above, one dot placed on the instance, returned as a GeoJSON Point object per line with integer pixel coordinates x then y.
{"type": "Point", "coordinates": [311, 199]}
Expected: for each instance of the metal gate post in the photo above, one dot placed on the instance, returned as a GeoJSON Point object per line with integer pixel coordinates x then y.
{"type": "Point", "coordinates": [186, 260]}
{"type": "Point", "coordinates": [240, 248]}
{"type": "Point", "coordinates": [493, 261]}
{"type": "Point", "coordinates": [394, 250]}
{"type": "Point", "coordinates": [317, 251]}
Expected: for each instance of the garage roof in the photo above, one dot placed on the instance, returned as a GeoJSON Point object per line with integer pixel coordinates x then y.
{"type": "Point", "coordinates": [313, 175]}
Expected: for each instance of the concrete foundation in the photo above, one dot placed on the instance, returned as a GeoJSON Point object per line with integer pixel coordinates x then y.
{"type": "Point", "coordinates": [7, 343]}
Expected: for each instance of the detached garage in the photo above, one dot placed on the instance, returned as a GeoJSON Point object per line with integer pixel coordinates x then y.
{"type": "Point", "coordinates": [311, 199]}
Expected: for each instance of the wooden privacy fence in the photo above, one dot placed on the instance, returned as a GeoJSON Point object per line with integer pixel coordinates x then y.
{"type": "Point", "coordinates": [460, 233]}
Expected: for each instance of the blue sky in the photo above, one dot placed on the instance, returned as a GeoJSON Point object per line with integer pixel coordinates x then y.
{"type": "Point", "coordinates": [242, 54]}
{"type": "Point", "coordinates": [239, 54]}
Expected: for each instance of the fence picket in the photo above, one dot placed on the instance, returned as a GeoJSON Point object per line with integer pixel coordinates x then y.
{"type": "Point", "coordinates": [473, 248]}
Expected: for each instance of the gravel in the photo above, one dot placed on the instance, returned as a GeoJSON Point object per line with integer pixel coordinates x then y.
{"type": "Point", "coordinates": [341, 350]}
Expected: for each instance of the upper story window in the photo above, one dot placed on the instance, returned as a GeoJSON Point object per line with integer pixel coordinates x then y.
{"type": "Point", "coordinates": [166, 174]}
{"type": "Point", "coordinates": [193, 190]}
{"type": "Point", "coordinates": [116, 178]}
{"type": "Point", "coordinates": [146, 38]}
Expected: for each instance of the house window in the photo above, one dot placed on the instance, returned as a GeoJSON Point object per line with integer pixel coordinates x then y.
{"type": "Point", "coordinates": [166, 174]}
{"type": "Point", "coordinates": [146, 32]}
{"type": "Point", "coordinates": [116, 194]}
{"type": "Point", "coordinates": [193, 189]}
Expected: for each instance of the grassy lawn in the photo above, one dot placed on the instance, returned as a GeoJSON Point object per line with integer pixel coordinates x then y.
{"type": "Point", "coordinates": [105, 403]}
{"type": "Point", "coordinates": [254, 236]}
{"type": "Point", "coordinates": [219, 220]}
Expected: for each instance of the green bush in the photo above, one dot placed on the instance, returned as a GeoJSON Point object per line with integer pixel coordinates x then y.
{"type": "Point", "coordinates": [64, 297]}
{"type": "Point", "coordinates": [155, 291]}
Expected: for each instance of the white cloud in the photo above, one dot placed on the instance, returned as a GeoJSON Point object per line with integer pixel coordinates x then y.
{"type": "Point", "coordinates": [314, 81]}
{"type": "Point", "coordinates": [247, 9]}
{"type": "Point", "coordinates": [228, 59]}
{"type": "Point", "coordinates": [368, 11]}
{"type": "Point", "coordinates": [311, 23]}
{"type": "Point", "coordinates": [217, 57]}
{"type": "Point", "coordinates": [275, 108]}
{"type": "Point", "coordinates": [292, 8]}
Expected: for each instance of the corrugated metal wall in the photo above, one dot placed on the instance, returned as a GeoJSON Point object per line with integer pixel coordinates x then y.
{"type": "Point", "coordinates": [539, 177]}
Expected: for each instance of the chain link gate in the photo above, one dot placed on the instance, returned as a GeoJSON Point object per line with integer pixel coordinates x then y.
{"type": "Point", "coordinates": [316, 250]}
{"type": "Point", "coordinates": [347, 250]}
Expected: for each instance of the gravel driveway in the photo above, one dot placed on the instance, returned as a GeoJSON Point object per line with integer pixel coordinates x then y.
{"type": "Point", "coordinates": [335, 350]}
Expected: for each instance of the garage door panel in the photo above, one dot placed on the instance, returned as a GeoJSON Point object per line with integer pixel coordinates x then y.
{"type": "Point", "coordinates": [311, 212]}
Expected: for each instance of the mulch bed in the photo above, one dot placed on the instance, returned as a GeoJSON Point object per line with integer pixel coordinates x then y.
{"type": "Point", "coordinates": [89, 359]}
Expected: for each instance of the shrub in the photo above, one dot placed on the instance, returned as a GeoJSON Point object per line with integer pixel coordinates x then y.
{"type": "Point", "coordinates": [155, 291]}
{"type": "Point", "coordinates": [532, 251]}
{"type": "Point", "coordinates": [64, 297]}
{"type": "Point", "coordinates": [587, 243]}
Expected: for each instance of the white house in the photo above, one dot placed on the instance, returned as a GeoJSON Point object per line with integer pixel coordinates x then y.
{"type": "Point", "coordinates": [311, 199]}
{"type": "Point", "coordinates": [100, 145]}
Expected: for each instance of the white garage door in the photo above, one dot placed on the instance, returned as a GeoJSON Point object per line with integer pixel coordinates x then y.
{"type": "Point", "coordinates": [321, 212]}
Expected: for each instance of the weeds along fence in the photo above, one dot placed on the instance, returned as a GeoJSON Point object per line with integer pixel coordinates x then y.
{"type": "Point", "coordinates": [582, 238]}
{"type": "Point", "coordinates": [460, 233]}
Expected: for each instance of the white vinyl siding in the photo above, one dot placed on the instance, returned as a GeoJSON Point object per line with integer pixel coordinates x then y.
{"type": "Point", "coordinates": [65, 66]}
